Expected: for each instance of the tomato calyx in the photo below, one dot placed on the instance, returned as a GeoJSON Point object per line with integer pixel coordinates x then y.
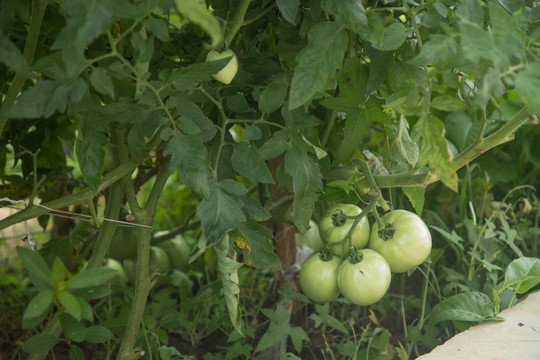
{"type": "Point", "coordinates": [354, 255]}
{"type": "Point", "coordinates": [325, 254]}
{"type": "Point", "coordinates": [387, 232]}
{"type": "Point", "coordinates": [339, 218]}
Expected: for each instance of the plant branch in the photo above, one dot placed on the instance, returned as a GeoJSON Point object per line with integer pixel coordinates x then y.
{"type": "Point", "coordinates": [38, 10]}
{"type": "Point", "coordinates": [237, 22]}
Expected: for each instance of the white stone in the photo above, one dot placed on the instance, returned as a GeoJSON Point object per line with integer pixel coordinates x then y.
{"type": "Point", "coordinates": [515, 338]}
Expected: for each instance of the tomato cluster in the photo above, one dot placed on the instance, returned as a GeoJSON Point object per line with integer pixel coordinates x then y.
{"type": "Point", "coordinates": [362, 275]}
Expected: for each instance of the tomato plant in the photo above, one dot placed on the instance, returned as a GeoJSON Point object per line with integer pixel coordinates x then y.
{"type": "Point", "coordinates": [318, 278]}
{"type": "Point", "coordinates": [311, 238]}
{"type": "Point", "coordinates": [364, 277]}
{"type": "Point", "coordinates": [336, 224]}
{"type": "Point", "coordinates": [227, 74]}
{"type": "Point", "coordinates": [405, 240]}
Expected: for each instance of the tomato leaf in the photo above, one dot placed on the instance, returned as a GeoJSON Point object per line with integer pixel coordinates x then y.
{"type": "Point", "coordinates": [12, 57]}
{"type": "Point", "coordinates": [428, 132]}
{"type": "Point", "coordinates": [273, 97]}
{"type": "Point", "coordinates": [219, 214]}
{"type": "Point", "coordinates": [259, 250]}
{"type": "Point", "coordinates": [189, 159]}
{"type": "Point", "coordinates": [101, 81]}
{"type": "Point", "coordinates": [393, 36]}
{"type": "Point", "coordinates": [327, 42]}
{"type": "Point", "coordinates": [307, 182]}
{"type": "Point", "coordinates": [416, 195]}
{"type": "Point", "coordinates": [197, 12]}
{"type": "Point", "coordinates": [437, 50]}
{"type": "Point", "coordinates": [247, 162]}
{"type": "Point", "coordinates": [228, 270]}
{"type": "Point", "coordinates": [407, 147]}
{"type": "Point", "coordinates": [528, 87]}
{"type": "Point", "coordinates": [469, 306]}
{"type": "Point", "coordinates": [351, 13]}
{"type": "Point", "coordinates": [70, 304]}
{"type": "Point", "coordinates": [289, 9]}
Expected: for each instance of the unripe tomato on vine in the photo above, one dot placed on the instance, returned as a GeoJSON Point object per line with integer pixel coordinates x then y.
{"type": "Point", "coordinates": [226, 74]}
{"type": "Point", "coordinates": [318, 278]}
{"type": "Point", "coordinates": [336, 224]}
{"type": "Point", "coordinates": [404, 241]}
{"type": "Point", "coordinates": [363, 277]}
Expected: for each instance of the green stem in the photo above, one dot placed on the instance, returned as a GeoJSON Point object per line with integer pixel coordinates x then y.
{"type": "Point", "coordinates": [143, 283]}
{"type": "Point", "coordinates": [504, 134]}
{"type": "Point", "coordinates": [38, 10]}
{"type": "Point", "coordinates": [237, 22]}
{"type": "Point", "coordinates": [75, 198]}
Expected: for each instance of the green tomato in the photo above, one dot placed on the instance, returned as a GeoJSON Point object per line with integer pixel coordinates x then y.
{"type": "Point", "coordinates": [227, 74]}
{"type": "Point", "coordinates": [407, 243]}
{"type": "Point", "coordinates": [332, 231]}
{"type": "Point", "coordinates": [159, 263]}
{"type": "Point", "coordinates": [311, 238]}
{"type": "Point", "coordinates": [318, 279]}
{"type": "Point", "coordinates": [177, 250]}
{"type": "Point", "coordinates": [365, 282]}
{"type": "Point", "coordinates": [120, 279]}
{"type": "Point", "coordinates": [124, 243]}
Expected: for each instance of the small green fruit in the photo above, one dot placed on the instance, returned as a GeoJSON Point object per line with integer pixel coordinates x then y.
{"type": "Point", "coordinates": [227, 74]}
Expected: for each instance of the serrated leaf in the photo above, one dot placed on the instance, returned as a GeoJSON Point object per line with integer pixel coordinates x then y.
{"type": "Point", "coordinates": [38, 308]}
{"type": "Point", "coordinates": [247, 162]}
{"type": "Point", "coordinates": [187, 77]}
{"type": "Point", "coordinates": [277, 331]}
{"type": "Point", "coordinates": [90, 277]}
{"type": "Point", "coordinates": [85, 21]}
{"type": "Point", "coordinates": [416, 195]}
{"type": "Point", "coordinates": [289, 9]}
{"type": "Point", "coordinates": [40, 343]}
{"type": "Point", "coordinates": [351, 13]}
{"type": "Point", "coordinates": [40, 274]}
{"type": "Point", "coordinates": [275, 146]}
{"type": "Point", "coordinates": [273, 97]}
{"type": "Point", "coordinates": [307, 183]}
{"type": "Point", "coordinates": [189, 159]}
{"type": "Point", "coordinates": [528, 87]}
{"type": "Point", "coordinates": [158, 27]}
{"type": "Point", "coordinates": [101, 81]}
{"type": "Point", "coordinates": [476, 42]}
{"type": "Point", "coordinates": [260, 250]}
{"type": "Point", "coordinates": [11, 56]}
{"type": "Point", "coordinates": [428, 132]}
{"type": "Point", "coordinates": [196, 11]}
{"type": "Point", "coordinates": [356, 126]}
{"type": "Point", "coordinates": [327, 43]}
{"type": "Point", "coordinates": [89, 149]}
{"type": "Point", "coordinates": [298, 335]}
{"type": "Point", "coordinates": [470, 306]}
{"type": "Point", "coordinates": [393, 36]}
{"type": "Point", "coordinates": [447, 103]}
{"type": "Point", "coordinates": [232, 187]}
{"type": "Point", "coordinates": [228, 273]}
{"type": "Point", "coordinates": [437, 50]}
{"type": "Point", "coordinates": [406, 146]}
{"type": "Point", "coordinates": [219, 214]}
{"type": "Point", "coordinates": [190, 112]}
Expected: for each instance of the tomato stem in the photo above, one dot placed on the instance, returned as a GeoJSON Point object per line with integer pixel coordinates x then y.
{"type": "Point", "coordinates": [387, 232]}
{"type": "Point", "coordinates": [354, 256]}
{"type": "Point", "coordinates": [326, 254]}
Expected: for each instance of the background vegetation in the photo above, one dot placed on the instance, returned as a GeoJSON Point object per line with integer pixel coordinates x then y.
{"type": "Point", "coordinates": [115, 139]}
